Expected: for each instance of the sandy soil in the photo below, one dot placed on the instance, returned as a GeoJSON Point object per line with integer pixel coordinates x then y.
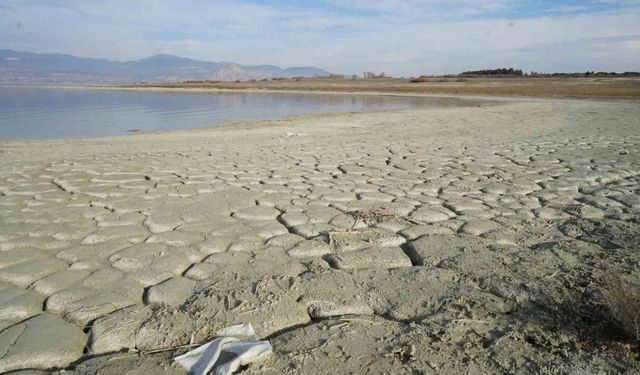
{"type": "Point", "coordinates": [449, 240]}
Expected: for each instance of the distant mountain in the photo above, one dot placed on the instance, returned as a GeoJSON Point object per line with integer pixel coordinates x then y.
{"type": "Point", "coordinates": [57, 68]}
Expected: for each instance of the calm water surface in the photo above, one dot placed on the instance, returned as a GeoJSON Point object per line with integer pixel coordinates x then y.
{"type": "Point", "coordinates": [36, 112]}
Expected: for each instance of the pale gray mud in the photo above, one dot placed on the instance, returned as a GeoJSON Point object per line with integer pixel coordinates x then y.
{"type": "Point", "coordinates": [452, 240]}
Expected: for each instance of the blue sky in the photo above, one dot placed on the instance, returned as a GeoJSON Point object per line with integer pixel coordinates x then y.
{"type": "Point", "coordinates": [401, 38]}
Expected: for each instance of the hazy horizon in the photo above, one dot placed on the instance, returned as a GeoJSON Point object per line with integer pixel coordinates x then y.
{"type": "Point", "coordinates": [401, 38]}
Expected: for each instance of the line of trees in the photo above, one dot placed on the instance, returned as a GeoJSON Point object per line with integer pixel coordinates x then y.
{"type": "Point", "coordinates": [511, 72]}
{"type": "Point", "coordinates": [495, 72]}
{"type": "Point", "coordinates": [587, 74]}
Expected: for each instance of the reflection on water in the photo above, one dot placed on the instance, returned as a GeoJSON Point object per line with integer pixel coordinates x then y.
{"type": "Point", "coordinates": [31, 112]}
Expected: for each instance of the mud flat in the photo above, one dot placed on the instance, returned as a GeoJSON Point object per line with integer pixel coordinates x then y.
{"type": "Point", "coordinates": [441, 240]}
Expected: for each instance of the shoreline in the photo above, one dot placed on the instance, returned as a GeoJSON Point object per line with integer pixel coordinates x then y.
{"type": "Point", "coordinates": [230, 125]}
{"type": "Point", "coordinates": [254, 90]}
{"type": "Point", "coordinates": [196, 90]}
{"type": "Point", "coordinates": [464, 101]}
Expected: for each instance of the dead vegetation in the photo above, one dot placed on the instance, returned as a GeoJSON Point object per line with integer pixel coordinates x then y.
{"type": "Point", "coordinates": [549, 87]}
{"type": "Point", "coordinates": [623, 305]}
{"type": "Point", "coordinates": [369, 218]}
{"type": "Point", "coordinates": [419, 80]}
{"type": "Point", "coordinates": [378, 215]}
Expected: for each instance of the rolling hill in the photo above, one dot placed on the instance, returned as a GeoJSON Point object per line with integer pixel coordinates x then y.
{"type": "Point", "coordinates": [28, 67]}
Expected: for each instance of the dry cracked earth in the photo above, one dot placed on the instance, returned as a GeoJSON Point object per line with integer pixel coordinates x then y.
{"type": "Point", "coordinates": [454, 240]}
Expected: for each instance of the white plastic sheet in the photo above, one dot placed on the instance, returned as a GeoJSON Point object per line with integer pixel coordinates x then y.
{"type": "Point", "coordinates": [238, 345]}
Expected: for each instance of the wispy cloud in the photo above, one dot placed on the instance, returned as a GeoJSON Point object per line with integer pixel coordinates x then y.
{"type": "Point", "coordinates": [401, 37]}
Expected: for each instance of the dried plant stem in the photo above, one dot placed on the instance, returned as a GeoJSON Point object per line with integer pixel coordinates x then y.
{"type": "Point", "coordinates": [623, 304]}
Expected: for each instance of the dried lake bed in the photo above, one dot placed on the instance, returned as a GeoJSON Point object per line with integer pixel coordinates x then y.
{"type": "Point", "coordinates": [448, 240]}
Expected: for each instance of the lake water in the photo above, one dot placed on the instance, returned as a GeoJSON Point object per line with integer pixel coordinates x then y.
{"type": "Point", "coordinates": [37, 113]}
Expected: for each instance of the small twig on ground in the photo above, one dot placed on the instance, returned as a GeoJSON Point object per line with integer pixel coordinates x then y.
{"type": "Point", "coordinates": [470, 321]}
{"type": "Point", "coordinates": [360, 320]}
{"type": "Point", "coordinates": [155, 351]}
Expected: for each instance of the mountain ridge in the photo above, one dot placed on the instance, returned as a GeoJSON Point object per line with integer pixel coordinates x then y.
{"type": "Point", "coordinates": [16, 66]}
